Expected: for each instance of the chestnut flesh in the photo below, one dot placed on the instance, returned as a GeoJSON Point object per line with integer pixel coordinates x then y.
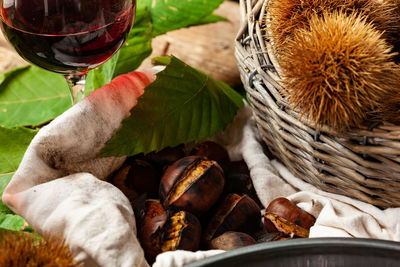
{"type": "Point", "coordinates": [182, 231]}
{"type": "Point", "coordinates": [286, 227]}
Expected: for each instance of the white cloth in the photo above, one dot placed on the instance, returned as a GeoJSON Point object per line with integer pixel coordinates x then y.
{"type": "Point", "coordinates": [58, 187]}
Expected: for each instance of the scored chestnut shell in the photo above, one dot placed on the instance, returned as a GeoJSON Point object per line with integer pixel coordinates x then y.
{"type": "Point", "coordinates": [182, 231]}
{"type": "Point", "coordinates": [192, 184]}
{"type": "Point", "coordinates": [286, 227]}
{"type": "Point", "coordinates": [232, 240]}
{"type": "Point", "coordinates": [285, 208]}
{"type": "Point", "coordinates": [235, 213]}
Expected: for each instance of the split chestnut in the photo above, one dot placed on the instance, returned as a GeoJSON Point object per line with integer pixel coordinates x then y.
{"type": "Point", "coordinates": [192, 184]}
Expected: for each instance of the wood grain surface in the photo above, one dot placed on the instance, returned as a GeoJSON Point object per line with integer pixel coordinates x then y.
{"type": "Point", "coordinates": [9, 59]}
{"type": "Point", "coordinates": [207, 47]}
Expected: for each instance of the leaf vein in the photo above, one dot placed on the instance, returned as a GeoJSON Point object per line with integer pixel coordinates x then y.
{"type": "Point", "coordinates": [182, 105]}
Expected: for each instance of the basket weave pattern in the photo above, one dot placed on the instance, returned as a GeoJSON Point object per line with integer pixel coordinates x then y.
{"type": "Point", "coordinates": [362, 163]}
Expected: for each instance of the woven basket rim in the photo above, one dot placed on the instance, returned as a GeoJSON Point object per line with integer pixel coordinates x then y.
{"type": "Point", "coordinates": [355, 157]}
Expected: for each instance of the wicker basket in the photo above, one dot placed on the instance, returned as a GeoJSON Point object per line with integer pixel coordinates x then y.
{"type": "Point", "coordinates": [363, 163]}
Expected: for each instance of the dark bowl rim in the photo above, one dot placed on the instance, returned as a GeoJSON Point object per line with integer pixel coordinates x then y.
{"type": "Point", "coordinates": [302, 243]}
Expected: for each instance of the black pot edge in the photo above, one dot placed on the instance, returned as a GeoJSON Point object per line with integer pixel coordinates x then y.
{"type": "Point", "coordinates": [302, 243]}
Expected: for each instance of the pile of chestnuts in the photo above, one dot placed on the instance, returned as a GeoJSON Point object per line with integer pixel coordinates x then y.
{"type": "Point", "coordinates": [199, 199]}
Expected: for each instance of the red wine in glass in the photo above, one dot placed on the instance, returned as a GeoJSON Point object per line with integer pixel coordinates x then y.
{"type": "Point", "coordinates": [67, 36]}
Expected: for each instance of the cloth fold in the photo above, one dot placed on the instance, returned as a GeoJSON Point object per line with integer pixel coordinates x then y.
{"type": "Point", "coordinates": [58, 187]}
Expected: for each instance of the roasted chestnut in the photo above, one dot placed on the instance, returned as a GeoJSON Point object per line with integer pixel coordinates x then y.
{"type": "Point", "coordinates": [158, 232]}
{"type": "Point", "coordinates": [283, 207]}
{"type": "Point", "coordinates": [147, 209]}
{"type": "Point", "coordinates": [232, 240]}
{"type": "Point", "coordinates": [211, 151]}
{"type": "Point", "coordinates": [235, 213]}
{"type": "Point", "coordinates": [286, 227]}
{"type": "Point", "coordinates": [238, 166]}
{"type": "Point", "coordinates": [143, 178]}
{"type": "Point", "coordinates": [265, 236]}
{"type": "Point", "coordinates": [119, 181]}
{"type": "Point", "coordinates": [182, 231]}
{"type": "Point", "coordinates": [150, 233]}
{"type": "Point", "coordinates": [192, 184]}
{"type": "Point", "coordinates": [137, 177]}
{"type": "Point", "coordinates": [165, 157]}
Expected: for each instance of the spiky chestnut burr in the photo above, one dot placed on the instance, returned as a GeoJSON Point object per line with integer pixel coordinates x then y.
{"type": "Point", "coordinates": [393, 35]}
{"type": "Point", "coordinates": [389, 108]}
{"type": "Point", "coordinates": [286, 16]}
{"type": "Point", "coordinates": [23, 249]}
{"type": "Point", "coordinates": [338, 70]}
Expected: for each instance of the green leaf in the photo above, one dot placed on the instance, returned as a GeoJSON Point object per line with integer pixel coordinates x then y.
{"type": "Point", "coordinates": [13, 144]}
{"type": "Point", "coordinates": [5, 75]}
{"type": "Point", "coordinates": [182, 105]}
{"type": "Point", "coordinates": [136, 49]}
{"type": "Point", "coordinates": [212, 18]}
{"type": "Point", "coordinates": [11, 222]}
{"type": "Point", "coordinates": [4, 180]}
{"type": "Point", "coordinates": [32, 96]}
{"type": "Point", "coordinates": [161, 60]}
{"type": "Point", "coordinates": [174, 14]}
{"type": "Point", "coordinates": [101, 75]}
{"type": "Point", "coordinates": [138, 45]}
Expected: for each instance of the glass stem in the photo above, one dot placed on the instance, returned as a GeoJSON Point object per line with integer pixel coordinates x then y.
{"type": "Point", "coordinates": [76, 85]}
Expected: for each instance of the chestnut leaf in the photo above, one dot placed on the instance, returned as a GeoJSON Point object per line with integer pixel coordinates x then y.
{"type": "Point", "coordinates": [174, 14]}
{"type": "Point", "coordinates": [5, 178]}
{"type": "Point", "coordinates": [31, 96]}
{"type": "Point", "coordinates": [13, 143]}
{"type": "Point", "coordinates": [183, 104]}
{"type": "Point", "coordinates": [11, 222]}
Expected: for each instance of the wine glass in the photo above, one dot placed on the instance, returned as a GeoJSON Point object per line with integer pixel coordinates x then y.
{"type": "Point", "coordinates": [69, 37]}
